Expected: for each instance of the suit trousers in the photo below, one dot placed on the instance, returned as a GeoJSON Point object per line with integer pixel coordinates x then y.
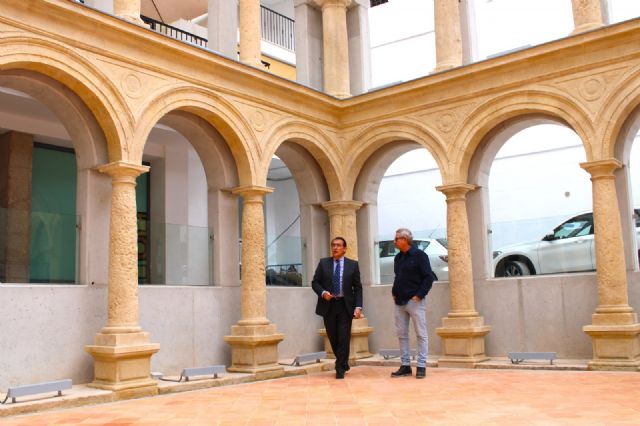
{"type": "Point", "coordinates": [337, 322]}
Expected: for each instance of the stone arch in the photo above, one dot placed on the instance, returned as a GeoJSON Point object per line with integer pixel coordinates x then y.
{"type": "Point", "coordinates": [313, 141]}
{"type": "Point", "coordinates": [376, 149]}
{"type": "Point", "coordinates": [96, 119]}
{"type": "Point", "coordinates": [214, 110]}
{"type": "Point", "coordinates": [487, 130]}
{"type": "Point", "coordinates": [309, 155]}
{"type": "Point", "coordinates": [621, 119]}
{"type": "Point", "coordinates": [496, 112]}
{"type": "Point", "coordinates": [78, 75]}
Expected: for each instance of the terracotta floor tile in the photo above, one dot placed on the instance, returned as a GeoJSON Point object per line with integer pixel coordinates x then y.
{"type": "Point", "coordinates": [369, 396]}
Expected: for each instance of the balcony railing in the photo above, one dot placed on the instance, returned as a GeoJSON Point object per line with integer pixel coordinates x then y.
{"type": "Point", "coordinates": [277, 29]}
{"type": "Point", "coordinates": [174, 32]}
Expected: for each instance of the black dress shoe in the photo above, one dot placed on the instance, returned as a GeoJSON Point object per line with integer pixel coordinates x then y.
{"type": "Point", "coordinates": [404, 370]}
{"type": "Point", "coordinates": [421, 372]}
{"type": "Point", "coordinates": [339, 374]}
{"type": "Point", "coordinates": [346, 367]}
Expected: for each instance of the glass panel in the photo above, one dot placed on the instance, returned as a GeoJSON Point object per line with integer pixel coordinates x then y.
{"type": "Point", "coordinates": [177, 254]}
{"type": "Point", "coordinates": [38, 247]}
{"type": "Point", "coordinates": [431, 241]}
{"type": "Point", "coordinates": [285, 261]}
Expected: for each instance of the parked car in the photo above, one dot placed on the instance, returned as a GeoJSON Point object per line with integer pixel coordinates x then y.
{"type": "Point", "coordinates": [436, 249]}
{"type": "Point", "coordinates": [568, 248]}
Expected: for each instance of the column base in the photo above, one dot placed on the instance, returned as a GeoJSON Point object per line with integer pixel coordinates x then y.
{"type": "Point", "coordinates": [254, 349]}
{"type": "Point", "coordinates": [462, 341]}
{"type": "Point", "coordinates": [122, 363]}
{"type": "Point", "coordinates": [359, 345]}
{"type": "Point", "coordinates": [615, 347]}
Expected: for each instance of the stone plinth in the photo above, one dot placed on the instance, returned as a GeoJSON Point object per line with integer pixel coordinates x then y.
{"type": "Point", "coordinates": [122, 363]}
{"type": "Point", "coordinates": [616, 346]}
{"type": "Point", "coordinates": [254, 349]}
{"type": "Point", "coordinates": [359, 346]}
{"type": "Point", "coordinates": [462, 342]}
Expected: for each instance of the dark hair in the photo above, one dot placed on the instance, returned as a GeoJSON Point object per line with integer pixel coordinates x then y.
{"type": "Point", "coordinates": [344, 242]}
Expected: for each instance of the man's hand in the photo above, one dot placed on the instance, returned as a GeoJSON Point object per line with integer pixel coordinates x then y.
{"type": "Point", "coordinates": [357, 313]}
{"type": "Point", "coordinates": [327, 296]}
{"type": "Point", "coordinates": [416, 298]}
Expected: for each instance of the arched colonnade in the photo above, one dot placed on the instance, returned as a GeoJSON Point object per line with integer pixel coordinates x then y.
{"type": "Point", "coordinates": [337, 162]}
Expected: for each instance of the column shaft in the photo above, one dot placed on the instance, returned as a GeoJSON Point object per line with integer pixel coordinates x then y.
{"type": "Point", "coordinates": [122, 315]}
{"type": "Point", "coordinates": [448, 35]}
{"type": "Point", "coordinates": [336, 48]}
{"type": "Point", "coordinates": [587, 15]}
{"type": "Point", "coordinates": [342, 223]}
{"type": "Point", "coordinates": [459, 252]}
{"type": "Point", "coordinates": [128, 9]}
{"type": "Point", "coordinates": [250, 32]}
{"type": "Point", "coordinates": [610, 259]}
{"type": "Point", "coordinates": [253, 290]}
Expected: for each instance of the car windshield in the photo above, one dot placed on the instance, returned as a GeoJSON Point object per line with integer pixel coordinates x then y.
{"type": "Point", "coordinates": [444, 242]}
{"type": "Point", "coordinates": [575, 227]}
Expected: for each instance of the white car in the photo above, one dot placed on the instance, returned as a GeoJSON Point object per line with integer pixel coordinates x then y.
{"type": "Point", "coordinates": [436, 249]}
{"type": "Point", "coordinates": [569, 248]}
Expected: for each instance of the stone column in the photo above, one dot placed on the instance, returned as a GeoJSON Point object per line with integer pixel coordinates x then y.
{"type": "Point", "coordinates": [128, 9]}
{"type": "Point", "coordinates": [335, 47]}
{"type": "Point", "coordinates": [587, 15]}
{"type": "Point", "coordinates": [16, 159]}
{"type": "Point", "coordinates": [615, 330]}
{"type": "Point", "coordinates": [121, 350]}
{"type": "Point", "coordinates": [250, 32]}
{"type": "Point", "coordinates": [448, 34]}
{"type": "Point", "coordinates": [463, 330]}
{"type": "Point", "coordinates": [342, 223]}
{"type": "Point", "coordinates": [254, 340]}
{"type": "Point", "coordinates": [223, 27]}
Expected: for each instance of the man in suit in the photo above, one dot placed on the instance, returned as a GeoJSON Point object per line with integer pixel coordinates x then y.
{"type": "Point", "coordinates": [337, 284]}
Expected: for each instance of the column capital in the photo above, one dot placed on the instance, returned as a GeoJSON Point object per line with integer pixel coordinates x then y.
{"type": "Point", "coordinates": [341, 206]}
{"type": "Point", "coordinates": [252, 191]}
{"type": "Point", "coordinates": [456, 190]}
{"type": "Point", "coordinates": [333, 3]}
{"type": "Point", "coordinates": [602, 168]}
{"type": "Point", "coordinates": [123, 169]}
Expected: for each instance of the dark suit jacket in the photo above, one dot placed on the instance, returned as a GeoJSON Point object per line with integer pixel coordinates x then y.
{"type": "Point", "coordinates": [351, 285]}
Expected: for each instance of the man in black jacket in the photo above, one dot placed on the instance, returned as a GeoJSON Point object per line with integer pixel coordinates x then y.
{"type": "Point", "coordinates": [411, 285]}
{"type": "Point", "coordinates": [337, 284]}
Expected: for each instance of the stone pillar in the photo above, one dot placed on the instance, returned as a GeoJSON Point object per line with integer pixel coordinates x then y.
{"type": "Point", "coordinates": [463, 330]}
{"type": "Point", "coordinates": [335, 47]}
{"type": "Point", "coordinates": [16, 158]}
{"type": "Point", "coordinates": [121, 350]}
{"type": "Point", "coordinates": [615, 330]}
{"type": "Point", "coordinates": [254, 340]}
{"type": "Point", "coordinates": [448, 34]}
{"type": "Point", "coordinates": [587, 15]}
{"type": "Point", "coordinates": [128, 9]}
{"type": "Point", "coordinates": [223, 27]}
{"type": "Point", "coordinates": [308, 29]}
{"type": "Point", "coordinates": [359, 47]}
{"type": "Point", "coordinates": [342, 222]}
{"type": "Point", "coordinates": [250, 32]}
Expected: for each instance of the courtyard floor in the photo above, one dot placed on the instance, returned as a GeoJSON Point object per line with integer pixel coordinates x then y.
{"type": "Point", "coordinates": [368, 396]}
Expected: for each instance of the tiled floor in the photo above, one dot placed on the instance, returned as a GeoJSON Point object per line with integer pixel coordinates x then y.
{"type": "Point", "coordinates": [368, 396]}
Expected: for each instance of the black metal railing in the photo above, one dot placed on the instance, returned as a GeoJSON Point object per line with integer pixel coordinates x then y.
{"type": "Point", "coordinates": [277, 28]}
{"type": "Point", "coordinates": [174, 32]}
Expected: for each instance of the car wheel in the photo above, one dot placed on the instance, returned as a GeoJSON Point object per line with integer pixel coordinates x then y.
{"type": "Point", "coordinates": [515, 268]}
